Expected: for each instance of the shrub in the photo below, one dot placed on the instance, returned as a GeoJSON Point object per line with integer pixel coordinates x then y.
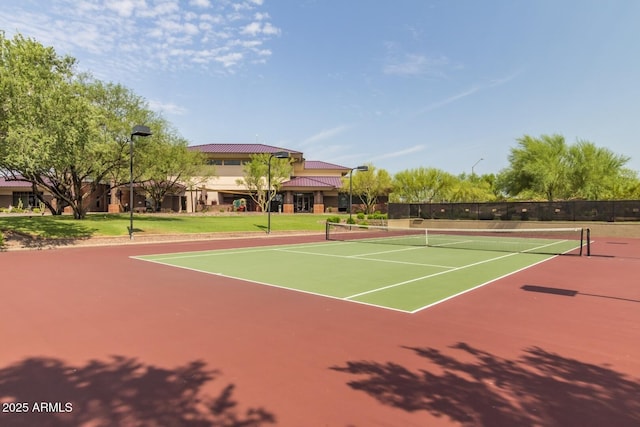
{"type": "Point", "coordinates": [334, 219]}
{"type": "Point", "coordinates": [377, 215]}
{"type": "Point", "coordinates": [351, 220]}
{"type": "Point", "coordinates": [360, 215]}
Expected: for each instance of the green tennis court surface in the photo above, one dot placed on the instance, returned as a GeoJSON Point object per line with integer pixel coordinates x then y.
{"type": "Point", "coordinates": [398, 277]}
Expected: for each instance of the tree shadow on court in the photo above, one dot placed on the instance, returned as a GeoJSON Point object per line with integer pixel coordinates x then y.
{"type": "Point", "coordinates": [477, 388]}
{"type": "Point", "coordinates": [120, 392]}
{"type": "Point", "coordinates": [15, 239]}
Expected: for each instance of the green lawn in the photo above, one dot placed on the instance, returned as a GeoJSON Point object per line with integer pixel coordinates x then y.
{"type": "Point", "coordinates": [95, 225]}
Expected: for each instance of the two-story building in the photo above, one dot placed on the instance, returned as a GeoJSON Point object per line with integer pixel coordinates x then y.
{"type": "Point", "coordinates": [313, 186]}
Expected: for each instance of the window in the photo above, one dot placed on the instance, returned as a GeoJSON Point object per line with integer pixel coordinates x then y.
{"type": "Point", "coordinates": [226, 162]}
{"type": "Point", "coordinates": [28, 198]}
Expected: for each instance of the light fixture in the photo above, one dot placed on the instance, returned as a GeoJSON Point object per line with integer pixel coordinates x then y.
{"type": "Point", "coordinates": [138, 130]}
{"type": "Point", "coordinates": [277, 155]}
{"type": "Point", "coordinates": [362, 168]}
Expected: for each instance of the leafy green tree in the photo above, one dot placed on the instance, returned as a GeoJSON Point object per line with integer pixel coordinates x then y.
{"type": "Point", "coordinates": [471, 189]}
{"type": "Point", "coordinates": [48, 134]}
{"type": "Point", "coordinates": [166, 162]}
{"type": "Point", "coordinates": [119, 111]}
{"type": "Point", "coordinates": [549, 169]}
{"type": "Point", "coordinates": [255, 177]}
{"type": "Point", "coordinates": [422, 185]}
{"type": "Point", "coordinates": [492, 181]}
{"type": "Point", "coordinates": [66, 132]}
{"type": "Point", "coordinates": [627, 187]}
{"type": "Point", "coordinates": [369, 185]}
{"type": "Point", "coordinates": [596, 173]}
{"type": "Point", "coordinates": [538, 166]}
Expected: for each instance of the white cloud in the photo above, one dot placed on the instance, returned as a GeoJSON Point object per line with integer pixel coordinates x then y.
{"type": "Point", "coordinates": [200, 3]}
{"type": "Point", "coordinates": [230, 59]}
{"type": "Point", "coordinates": [161, 9]}
{"type": "Point", "coordinates": [270, 29]}
{"type": "Point", "coordinates": [256, 28]}
{"type": "Point", "coordinates": [400, 153]}
{"type": "Point", "coordinates": [123, 8]}
{"type": "Point", "coordinates": [458, 96]}
{"type": "Point", "coordinates": [446, 101]}
{"type": "Point", "coordinates": [401, 63]}
{"type": "Point", "coordinates": [412, 64]}
{"type": "Point", "coordinates": [252, 29]}
{"type": "Point", "coordinates": [172, 34]}
{"type": "Point", "coordinates": [325, 134]}
{"type": "Point", "coordinates": [169, 108]}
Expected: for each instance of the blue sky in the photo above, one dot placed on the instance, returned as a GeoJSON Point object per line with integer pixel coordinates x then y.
{"type": "Point", "coordinates": [401, 84]}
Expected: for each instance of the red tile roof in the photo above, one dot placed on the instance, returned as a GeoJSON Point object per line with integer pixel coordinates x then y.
{"type": "Point", "coordinates": [315, 164]}
{"type": "Point", "coordinates": [6, 183]}
{"type": "Point", "coordinates": [314, 181]}
{"type": "Point", "coordinates": [240, 148]}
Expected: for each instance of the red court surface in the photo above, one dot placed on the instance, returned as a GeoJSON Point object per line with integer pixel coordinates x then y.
{"type": "Point", "coordinates": [91, 337]}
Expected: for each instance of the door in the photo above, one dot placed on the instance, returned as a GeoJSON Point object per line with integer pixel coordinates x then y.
{"type": "Point", "coordinates": [303, 202]}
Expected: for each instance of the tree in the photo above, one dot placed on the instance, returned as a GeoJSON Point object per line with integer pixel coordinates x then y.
{"type": "Point", "coordinates": [538, 166]}
{"type": "Point", "coordinates": [596, 173]}
{"type": "Point", "coordinates": [422, 185]}
{"type": "Point", "coordinates": [548, 168]}
{"type": "Point", "coordinates": [369, 185]}
{"type": "Point", "coordinates": [47, 123]}
{"type": "Point", "coordinates": [255, 177]}
{"type": "Point", "coordinates": [120, 110]}
{"type": "Point", "coordinates": [471, 189]}
{"type": "Point", "coordinates": [65, 132]}
{"type": "Point", "coordinates": [630, 187]}
{"type": "Point", "coordinates": [53, 125]}
{"type": "Point", "coordinates": [165, 162]}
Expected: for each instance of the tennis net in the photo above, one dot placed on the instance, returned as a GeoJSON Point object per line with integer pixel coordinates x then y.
{"type": "Point", "coordinates": [552, 241]}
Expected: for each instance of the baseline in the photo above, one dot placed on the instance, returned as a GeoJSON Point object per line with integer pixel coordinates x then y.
{"type": "Point", "coordinates": [394, 285]}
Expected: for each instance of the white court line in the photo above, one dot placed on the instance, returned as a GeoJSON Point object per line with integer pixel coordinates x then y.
{"type": "Point", "coordinates": [501, 242]}
{"type": "Point", "coordinates": [481, 285]}
{"type": "Point", "coordinates": [217, 252]}
{"type": "Point", "coordinates": [457, 242]}
{"type": "Point", "coordinates": [202, 254]}
{"type": "Point", "coordinates": [347, 299]}
{"type": "Point", "coordinates": [276, 286]}
{"type": "Point", "coordinates": [412, 248]}
{"type": "Point", "coordinates": [361, 257]}
{"type": "Point", "coordinates": [442, 272]}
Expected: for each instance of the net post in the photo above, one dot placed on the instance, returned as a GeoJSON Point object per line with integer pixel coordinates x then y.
{"type": "Point", "coordinates": [581, 241]}
{"type": "Point", "coordinates": [588, 242]}
{"type": "Point", "coordinates": [326, 230]}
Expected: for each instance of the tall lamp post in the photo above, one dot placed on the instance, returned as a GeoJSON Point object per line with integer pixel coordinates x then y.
{"type": "Point", "coordinates": [277, 155]}
{"type": "Point", "coordinates": [474, 166]}
{"type": "Point", "coordinates": [138, 130]}
{"type": "Point", "coordinates": [357, 168]}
